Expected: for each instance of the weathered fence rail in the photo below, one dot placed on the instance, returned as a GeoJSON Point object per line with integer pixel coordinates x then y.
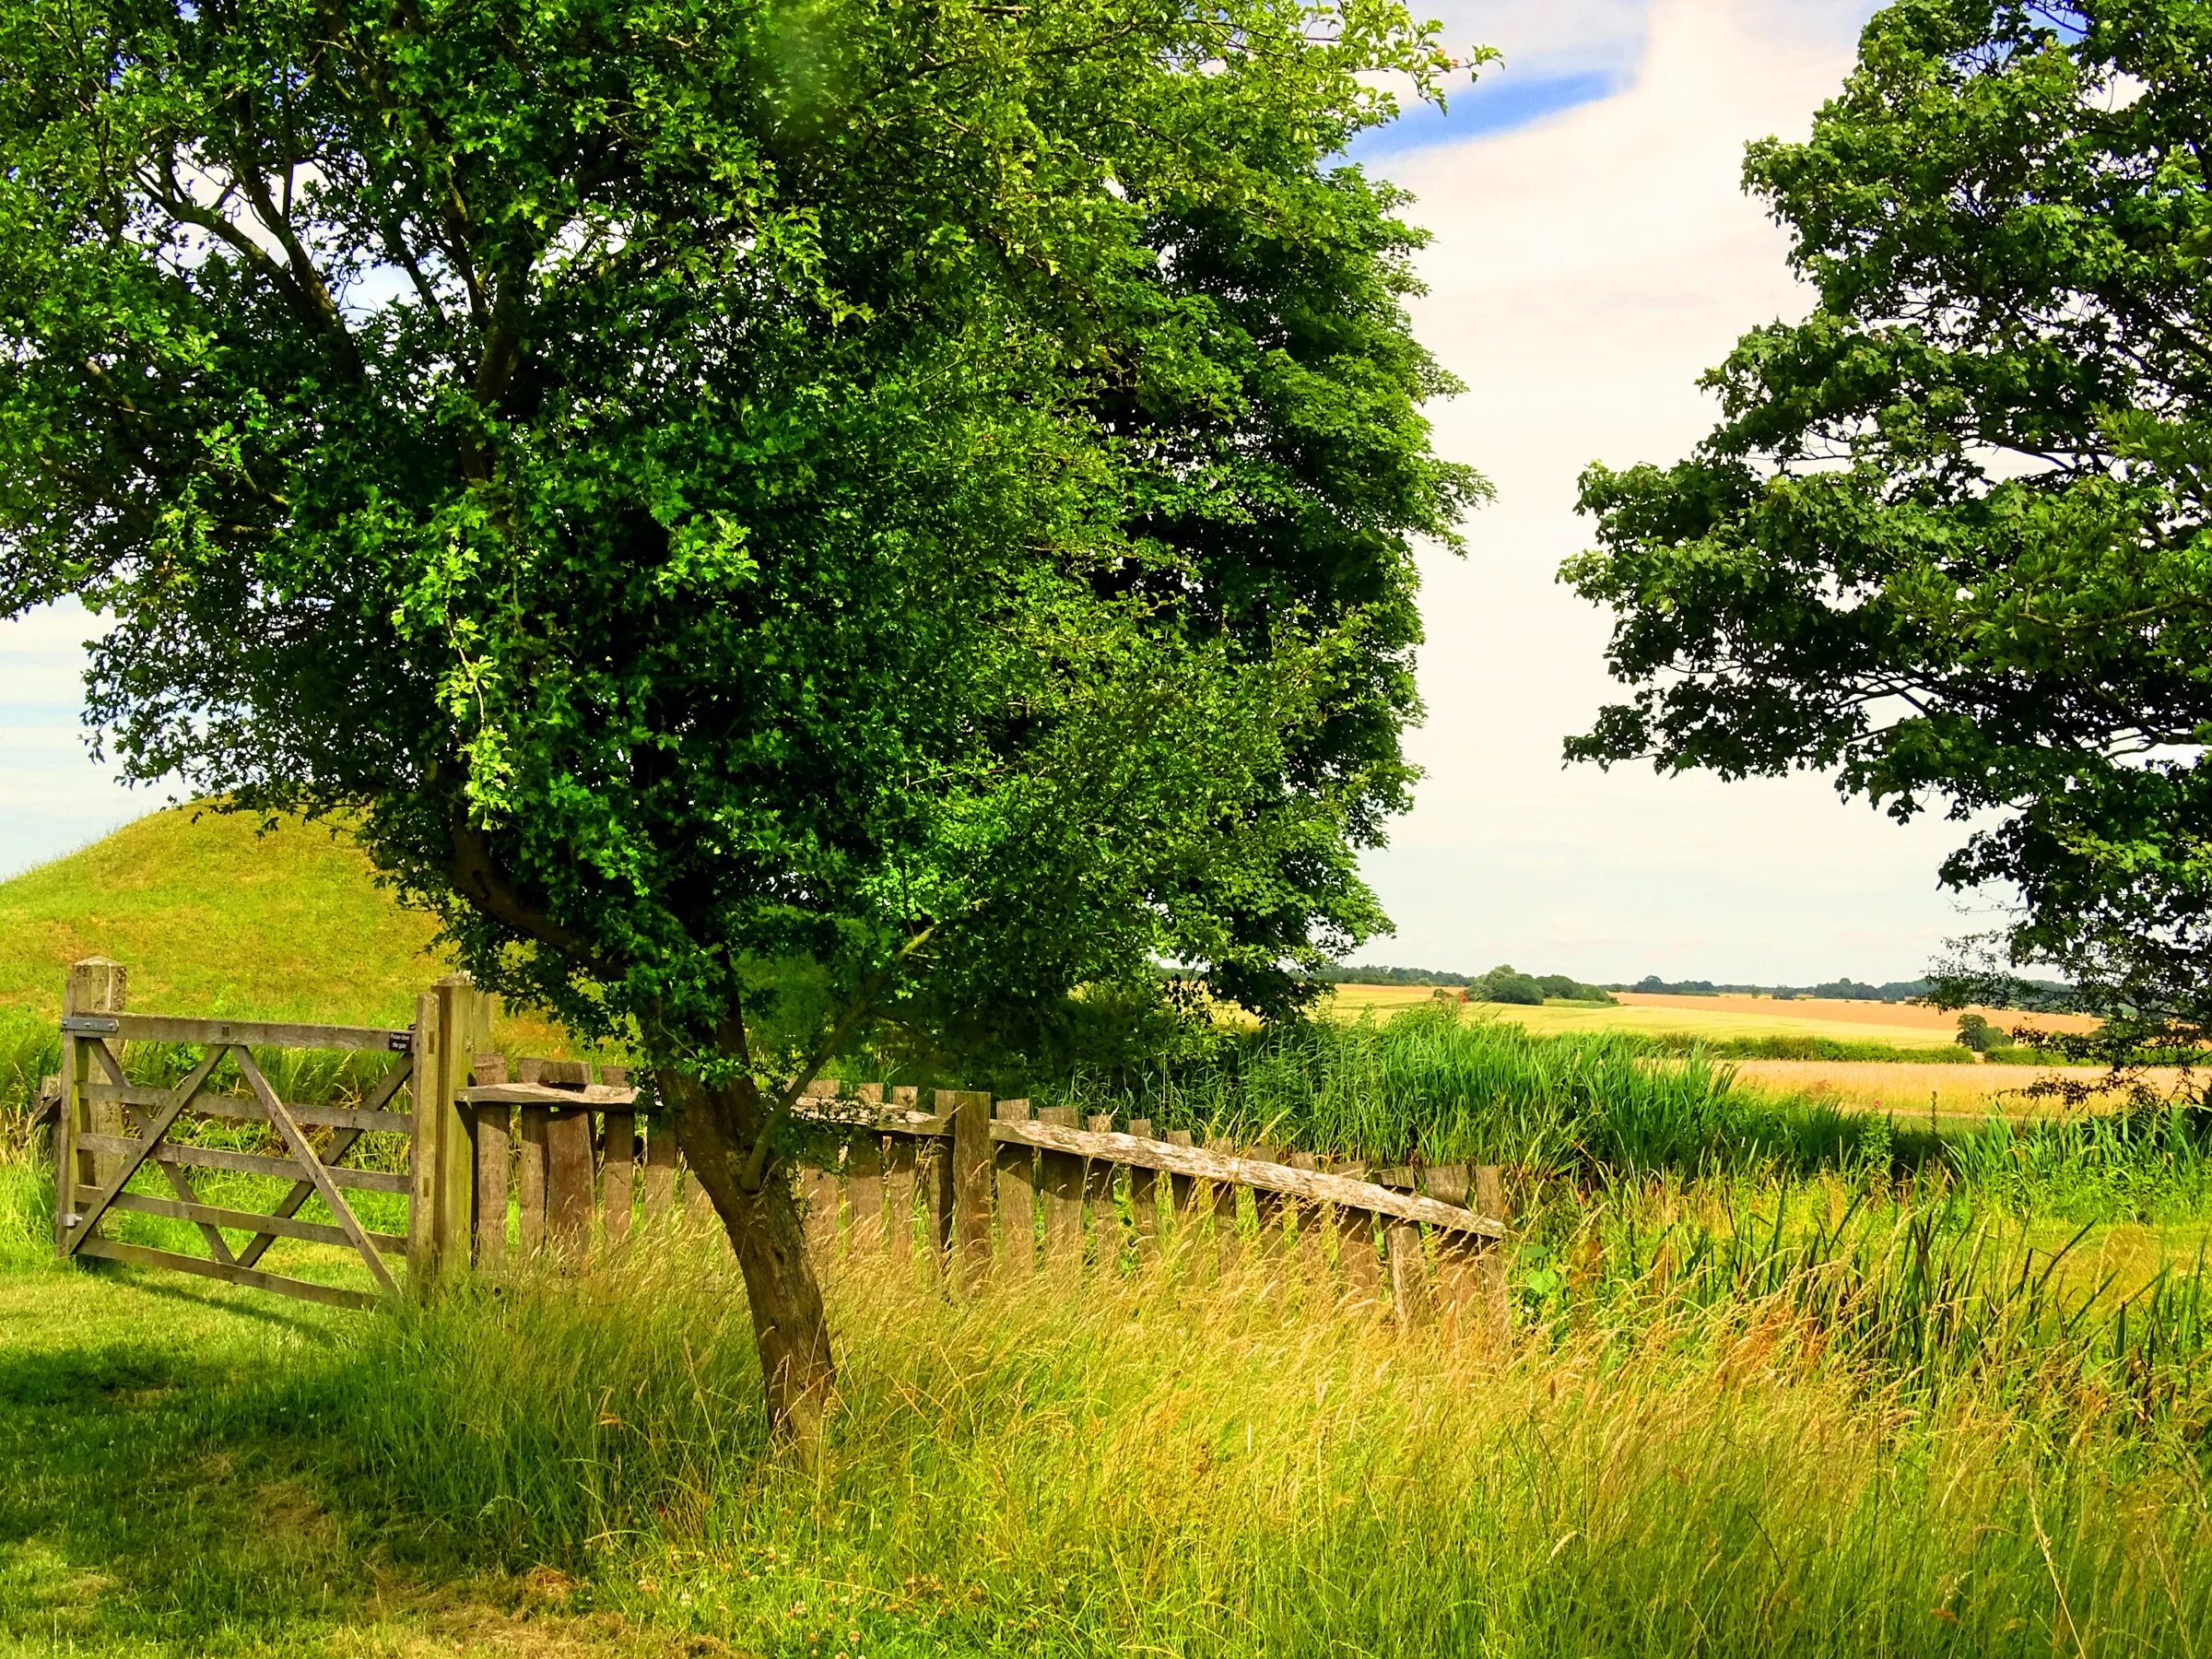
{"type": "Point", "coordinates": [510, 1160]}
{"type": "Point", "coordinates": [976, 1186]}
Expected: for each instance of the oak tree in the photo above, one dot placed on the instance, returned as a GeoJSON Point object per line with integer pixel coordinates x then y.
{"type": "Point", "coordinates": [1949, 540]}
{"type": "Point", "coordinates": [771, 515]}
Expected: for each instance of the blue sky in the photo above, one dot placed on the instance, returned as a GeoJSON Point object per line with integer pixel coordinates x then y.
{"type": "Point", "coordinates": [1590, 255]}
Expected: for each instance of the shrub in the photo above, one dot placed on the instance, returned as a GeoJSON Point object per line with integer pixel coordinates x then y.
{"type": "Point", "coordinates": [1505, 984]}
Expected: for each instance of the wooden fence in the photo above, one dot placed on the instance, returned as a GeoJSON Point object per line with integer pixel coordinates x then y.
{"type": "Point", "coordinates": [509, 1160]}
{"type": "Point", "coordinates": [971, 1187]}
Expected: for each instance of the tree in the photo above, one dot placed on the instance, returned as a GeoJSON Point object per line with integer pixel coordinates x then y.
{"type": "Point", "coordinates": [1948, 540]}
{"type": "Point", "coordinates": [1975, 1033]}
{"type": "Point", "coordinates": [1506, 983]}
{"type": "Point", "coordinates": [773, 517]}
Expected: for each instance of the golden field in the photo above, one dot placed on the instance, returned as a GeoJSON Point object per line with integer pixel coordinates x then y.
{"type": "Point", "coordinates": [1906, 1089]}
{"type": "Point", "coordinates": [1716, 1019]}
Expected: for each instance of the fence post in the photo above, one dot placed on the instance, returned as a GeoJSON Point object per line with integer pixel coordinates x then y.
{"type": "Point", "coordinates": [1144, 1200]}
{"type": "Point", "coordinates": [970, 1113]}
{"type": "Point", "coordinates": [1061, 1175]}
{"type": "Point", "coordinates": [94, 985]}
{"type": "Point", "coordinates": [1496, 1299]}
{"type": "Point", "coordinates": [452, 1019]}
{"type": "Point", "coordinates": [1017, 1193]}
{"type": "Point", "coordinates": [1408, 1276]}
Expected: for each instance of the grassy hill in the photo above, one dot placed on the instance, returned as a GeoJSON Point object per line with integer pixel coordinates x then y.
{"type": "Point", "coordinates": [212, 918]}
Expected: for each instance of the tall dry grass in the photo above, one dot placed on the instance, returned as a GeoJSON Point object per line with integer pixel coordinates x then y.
{"type": "Point", "coordinates": [1202, 1469]}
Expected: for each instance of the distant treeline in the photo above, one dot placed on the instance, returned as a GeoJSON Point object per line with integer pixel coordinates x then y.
{"type": "Point", "coordinates": [1503, 983]}
{"type": "Point", "coordinates": [2042, 993]}
{"type": "Point", "coordinates": [1893, 991]}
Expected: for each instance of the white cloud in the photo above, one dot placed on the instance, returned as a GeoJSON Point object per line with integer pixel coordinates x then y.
{"type": "Point", "coordinates": [1586, 268]}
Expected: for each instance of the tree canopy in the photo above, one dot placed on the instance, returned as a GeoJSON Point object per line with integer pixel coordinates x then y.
{"type": "Point", "coordinates": [1948, 540]}
{"type": "Point", "coordinates": [774, 514]}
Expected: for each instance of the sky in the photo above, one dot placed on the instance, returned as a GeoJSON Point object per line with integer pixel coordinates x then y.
{"type": "Point", "coordinates": [1592, 255]}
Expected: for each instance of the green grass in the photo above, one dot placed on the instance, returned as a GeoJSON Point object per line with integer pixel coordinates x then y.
{"type": "Point", "coordinates": [212, 919]}
{"type": "Point", "coordinates": [1879, 1437]}
{"type": "Point", "coordinates": [1785, 1381]}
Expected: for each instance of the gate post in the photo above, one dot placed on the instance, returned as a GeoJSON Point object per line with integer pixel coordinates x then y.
{"type": "Point", "coordinates": [452, 1019]}
{"type": "Point", "coordinates": [95, 985]}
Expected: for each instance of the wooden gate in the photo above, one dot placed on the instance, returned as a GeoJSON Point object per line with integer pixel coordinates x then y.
{"type": "Point", "coordinates": [114, 1137]}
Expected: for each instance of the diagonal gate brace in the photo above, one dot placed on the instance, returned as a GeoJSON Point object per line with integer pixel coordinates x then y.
{"type": "Point", "coordinates": [304, 1154]}
{"type": "Point", "coordinates": [82, 1224]}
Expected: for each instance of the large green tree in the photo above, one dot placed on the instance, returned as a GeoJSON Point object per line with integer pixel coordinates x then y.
{"type": "Point", "coordinates": [1949, 540]}
{"type": "Point", "coordinates": [771, 513]}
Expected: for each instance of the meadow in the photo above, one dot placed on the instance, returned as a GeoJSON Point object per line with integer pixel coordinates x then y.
{"type": "Point", "coordinates": [1785, 1376]}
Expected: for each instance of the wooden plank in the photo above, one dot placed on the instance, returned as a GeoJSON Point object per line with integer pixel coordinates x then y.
{"type": "Point", "coordinates": [180, 1184]}
{"type": "Point", "coordinates": [1270, 1211]}
{"type": "Point", "coordinates": [494, 1149]}
{"type": "Point", "coordinates": [899, 1161]}
{"type": "Point", "coordinates": [144, 1255]}
{"type": "Point", "coordinates": [620, 1174]}
{"type": "Point", "coordinates": [461, 1017]}
{"type": "Point", "coordinates": [211, 1214]}
{"type": "Point", "coordinates": [1180, 1187]}
{"type": "Point", "coordinates": [1060, 1174]}
{"type": "Point", "coordinates": [604, 1095]}
{"type": "Point", "coordinates": [1448, 1184]}
{"type": "Point", "coordinates": [255, 1033]}
{"type": "Point", "coordinates": [1358, 1262]}
{"type": "Point", "coordinates": [660, 1166]}
{"type": "Point", "coordinates": [936, 1170]}
{"type": "Point", "coordinates": [426, 1057]}
{"type": "Point", "coordinates": [864, 1172]}
{"type": "Point", "coordinates": [1017, 1167]}
{"type": "Point", "coordinates": [568, 1194]}
{"type": "Point", "coordinates": [1097, 1198]}
{"type": "Point", "coordinates": [970, 1161]}
{"type": "Point", "coordinates": [304, 1153]}
{"type": "Point", "coordinates": [1228, 1232]}
{"type": "Point", "coordinates": [1212, 1164]}
{"type": "Point", "coordinates": [250, 1163]}
{"type": "Point", "coordinates": [94, 986]}
{"type": "Point", "coordinates": [301, 1191]}
{"type": "Point", "coordinates": [1494, 1296]}
{"type": "Point", "coordinates": [1409, 1295]}
{"type": "Point", "coordinates": [1144, 1197]}
{"type": "Point", "coordinates": [78, 1226]}
{"type": "Point", "coordinates": [568, 1075]}
{"type": "Point", "coordinates": [98, 990]}
{"type": "Point", "coordinates": [235, 1109]}
{"type": "Point", "coordinates": [1306, 1219]}
{"type": "Point", "coordinates": [530, 1177]}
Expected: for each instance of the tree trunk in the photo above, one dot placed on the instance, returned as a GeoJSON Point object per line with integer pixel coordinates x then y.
{"type": "Point", "coordinates": [716, 1128]}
